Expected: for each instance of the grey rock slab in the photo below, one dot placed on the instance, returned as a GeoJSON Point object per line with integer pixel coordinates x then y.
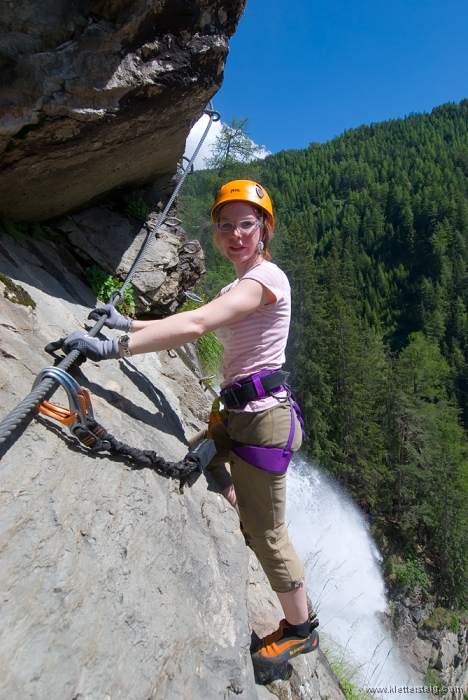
{"type": "Point", "coordinates": [115, 583]}
{"type": "Point", "coordinates": [112, 242]}
{"type": "Point", "coordinates": [462, 680]}
{"type": "Point", "coordinates": [448, 650]}
{"type": "Point", "coordinates": [419, 654]}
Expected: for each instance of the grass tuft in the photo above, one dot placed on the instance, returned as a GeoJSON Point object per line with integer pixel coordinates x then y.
{"type": "Point", "coordinates": [346, 672]}
{"type": "Point", "coordinates": [442, 618]}
{"type": "Point", "coordinates": [19, 231]}
{"type": "Point", "coordinates": [209, 348]}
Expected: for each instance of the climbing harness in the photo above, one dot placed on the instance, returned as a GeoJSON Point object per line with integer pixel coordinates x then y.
{"type": "Point", "coordinates": [79, 416]}
{"type": "Point", "coordinates": [259, 386]}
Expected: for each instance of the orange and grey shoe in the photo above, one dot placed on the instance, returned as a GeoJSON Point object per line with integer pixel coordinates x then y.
{"type": "Point", "coordinates": [283, 645]}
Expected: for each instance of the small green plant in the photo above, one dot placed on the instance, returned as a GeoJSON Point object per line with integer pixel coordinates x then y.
{"type": "Point", "coordinates": [350, 691]}
{"type": "Point", "coordinates": [442, 618]}
{"type": "Point", "coordinates": [410, 575]}
{"type": "Point", "coordinates": [211, 353]}
{"type": "Point", "coordinates": [36, 231]}
{"type": "Point", "coordinates": [13, 229]}
{"type": "Point", "coordinates": [104, 285]}
{"type": "Point", "coordinates": [137, 209]}
{"type": "Point", "coordinates": [432, 679]}
{"type": "Point", "coordinates": [209, 348]}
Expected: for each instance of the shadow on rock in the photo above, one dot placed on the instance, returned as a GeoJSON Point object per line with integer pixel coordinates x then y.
{"type": "Point", "coordinates": [165, 419]}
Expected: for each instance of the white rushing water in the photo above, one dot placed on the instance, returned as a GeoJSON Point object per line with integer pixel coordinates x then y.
{"type": "Point", "coordinates": [344, 578]}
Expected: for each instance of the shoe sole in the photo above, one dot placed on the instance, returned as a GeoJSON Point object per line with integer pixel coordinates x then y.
{"type": "Point", "coordinates": [311, 644]}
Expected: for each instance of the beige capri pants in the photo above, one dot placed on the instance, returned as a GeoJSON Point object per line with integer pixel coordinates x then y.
{"type": "Point", "coordinates": [261, 495]}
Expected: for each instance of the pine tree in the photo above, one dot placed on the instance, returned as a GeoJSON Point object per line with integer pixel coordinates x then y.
{"type": "Point", "coordinates": [233, 145]}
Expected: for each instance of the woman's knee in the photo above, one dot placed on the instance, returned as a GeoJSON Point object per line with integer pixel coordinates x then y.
{"type": "Point", "coordinates": [279, 560]}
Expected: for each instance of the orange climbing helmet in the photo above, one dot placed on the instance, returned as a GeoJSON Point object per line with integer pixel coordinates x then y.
{"type": "Point", "coordinates": [245, 191]}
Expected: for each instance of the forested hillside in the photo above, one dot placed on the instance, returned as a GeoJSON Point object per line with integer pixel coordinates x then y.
{"type": "Point", "coordinates": [372, 230]}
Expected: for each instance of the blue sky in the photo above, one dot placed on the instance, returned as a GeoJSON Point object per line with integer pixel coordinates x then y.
{"type": "Point", "coordinates": [305, 71]}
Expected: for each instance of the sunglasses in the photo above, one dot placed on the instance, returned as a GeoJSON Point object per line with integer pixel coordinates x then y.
{"type": "Point", "coordinates": [245, 226]}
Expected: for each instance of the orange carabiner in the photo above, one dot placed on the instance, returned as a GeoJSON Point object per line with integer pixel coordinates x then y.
{"type": "Point", "coordinates": [80, 408]}
{"type": "Point", "coordinates": [59, 413]}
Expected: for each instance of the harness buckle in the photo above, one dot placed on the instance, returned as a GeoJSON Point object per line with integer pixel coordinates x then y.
{"type": "Point", "coordinates": [231, 398]}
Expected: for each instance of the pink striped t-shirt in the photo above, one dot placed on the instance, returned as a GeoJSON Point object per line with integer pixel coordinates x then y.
{"type": "Point", "coordinates": [258, 341]}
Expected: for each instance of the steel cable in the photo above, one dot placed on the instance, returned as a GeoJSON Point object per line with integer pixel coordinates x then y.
{"type": "Point", "coordinates": [48, 385]}
{"type": "Point", "coordinates": [214, 117]}
{"type": "Point", "coordinates": [38, 394]}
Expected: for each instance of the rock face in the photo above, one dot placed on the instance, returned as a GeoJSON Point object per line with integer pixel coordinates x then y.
{"type": "Point", "coordinates": [116, 583]}
{"type": "Point", "coordinates": [110, 241]}
{"type": "Point", "coordinates": [97, 95]}
{"type": "Point", "coordinates": [438, 653]}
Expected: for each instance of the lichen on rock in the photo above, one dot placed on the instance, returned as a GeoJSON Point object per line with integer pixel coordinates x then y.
{"type": "Point", "coordinates": [15, 292]}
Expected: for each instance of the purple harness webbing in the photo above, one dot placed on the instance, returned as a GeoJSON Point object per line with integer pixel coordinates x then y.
{"type": "Point", "coordinates": [255, 380]}
{"type": "Point", "coordinates": [270, 459]}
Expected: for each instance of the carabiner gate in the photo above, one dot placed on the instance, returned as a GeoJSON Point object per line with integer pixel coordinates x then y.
{"type": "Point", "coordinates": [80, 408]}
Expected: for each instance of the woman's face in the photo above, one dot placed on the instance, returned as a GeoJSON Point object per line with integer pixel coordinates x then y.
{"type": "Point", "coordinates": [237, 245]}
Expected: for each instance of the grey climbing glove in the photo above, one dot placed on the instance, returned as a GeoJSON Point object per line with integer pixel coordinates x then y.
{"type": "Point", "coordinates": [93, 348]}
{"type": "Point", "coordinates": [113, 320]}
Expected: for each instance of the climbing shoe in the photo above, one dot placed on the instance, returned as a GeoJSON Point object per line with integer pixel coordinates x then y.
{"type": "Point", "coordinates": [283, 645]}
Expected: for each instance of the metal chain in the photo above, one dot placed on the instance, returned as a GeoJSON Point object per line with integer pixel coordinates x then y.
{"type": "Point", "coordinates": [49, 385]}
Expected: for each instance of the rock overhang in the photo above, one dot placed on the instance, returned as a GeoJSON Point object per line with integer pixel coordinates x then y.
{"type": "Point", "coordinates": [102, 97]}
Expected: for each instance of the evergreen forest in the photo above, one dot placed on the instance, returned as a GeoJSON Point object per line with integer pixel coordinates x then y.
{"type": "Point", "coordinates": [372, 231]}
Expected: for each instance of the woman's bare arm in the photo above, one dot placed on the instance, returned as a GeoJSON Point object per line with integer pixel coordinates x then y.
{"type": "Point", "coordinates": [247, 296]}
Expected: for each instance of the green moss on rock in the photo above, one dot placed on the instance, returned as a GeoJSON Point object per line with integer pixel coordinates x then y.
{"type": "Point", "coordinates": [15, 293]}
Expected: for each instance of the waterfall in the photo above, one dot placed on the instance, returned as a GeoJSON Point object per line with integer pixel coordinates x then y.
{"type": "Point", "coordinates": [344, 579]}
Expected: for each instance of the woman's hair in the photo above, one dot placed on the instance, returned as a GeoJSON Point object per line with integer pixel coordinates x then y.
{"type": "Point", "coordinates": [267, 231]}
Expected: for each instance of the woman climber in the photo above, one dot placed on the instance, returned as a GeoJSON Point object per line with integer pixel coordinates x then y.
{"type": "Point", "coordinates": [251, 317]}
